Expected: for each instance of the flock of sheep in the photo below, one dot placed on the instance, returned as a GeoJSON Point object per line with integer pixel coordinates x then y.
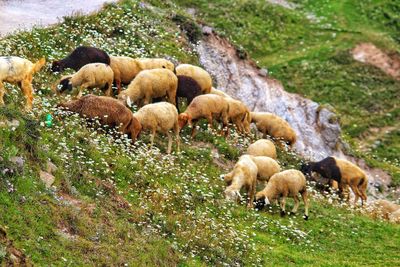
{"type": "Point", "coordinates": [158, 80]}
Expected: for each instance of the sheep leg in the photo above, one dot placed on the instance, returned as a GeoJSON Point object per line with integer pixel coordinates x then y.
{"type": "Point", "coordinates": [283, 205]}
{"type": "Point", "coordinates": [2, 91]}
{"type": "Point", "coordinates": [193, 129]}
{"type": "Point", "coordinates": [363, 196]}
{"type": "Point", "coordinates": [177, 137]}
{"type": "Point", "coordinates": [357, 193]}
{"type": "Point", "coordinates": [210, 121]}
{"type": "Point", "coordinates": [304, 196]}
{"type": "Point", "coordinates": [27, 89]}
{"type": "Point", "coordinates": [296, 204]}
{"type": "Point", "coordinates": [108, 92]}
{"type": "Point", "coordinates": [169, 143]}
{"type": "Point", "coordinates": [251, 195]}
{"type": "Point", "coordinates": [118, 82]}
{"type": "Point", "coordinates": [153, 134]}
{"type": "Point", "coordinates": [172, 97]}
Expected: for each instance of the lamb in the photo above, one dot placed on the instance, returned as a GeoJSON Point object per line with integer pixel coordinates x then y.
{"type": "Point", "coordinates": [161, 117]}
{"type": "Point", "coordinates": [150, 84]}
{"type": "Point", "coordinates": [187, 88]}
{"type": "Point", "coordinates": [266, 167]}
{"type": "Point", "coordinates": [384, 208]}
{"type": "Point", "coordinates": [81, 56]}
{"type": "Point", "coordinates": [342, 171]}
{"type": "Point", "coordinates": [262, 147]}
{"type": "Point", "coordinates": [19, 71]}
{"type": "Point", "coordinates": [275, 126]}
{"type": "Point", "coordinates": [108, 110]}
{"type": "Point", "coordinates": [207, 106]}
{"type": "Point", "coordinates": [244, 174]}
{"type": "Point", "coordinates": [285, 184]}
{"type": "Point", "coordinates": [202, 77]}
{"type": "Point", "coordinates": [239, 115]}
{"type": "Point", "coordinates": [126, 68]}
{"type": "Point", "coordinates": [91, 75]}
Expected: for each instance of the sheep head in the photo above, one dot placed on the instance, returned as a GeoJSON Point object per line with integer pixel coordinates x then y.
{"type": "Point", "coordinates": [184, 119]}
{"type": "Point", "coordinates": [64, 84]}
{"type": "Point", "coordinates": [306, 169]}
{"type": "Point", "coordinates": [57, 66]}
{"type": "Point", "coordinates": [228, 178]}
{"type": "Point", "coordinates": [261, 201]}
{"type": "Point", "coordinates": [232, 195]}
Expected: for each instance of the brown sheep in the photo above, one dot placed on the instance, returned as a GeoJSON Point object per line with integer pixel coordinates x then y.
{"type": "Point", "coordinates": [275, 126]}
{"type": "Point", "coordinates": [239, 115]}
{"type": "Point", "coordinates": [207, 106]}
{"type": "Point", "coordinates": [108, 111]}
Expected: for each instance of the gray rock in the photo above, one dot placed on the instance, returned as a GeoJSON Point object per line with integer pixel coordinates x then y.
{"type": "Point", "coordinates": [19, 161]}
{"type": "Point", "coordinates": [47, 178]}
{"type": "Point", "coordinates": [50, 167]}
{"type": "Point", "coordinates": [207, 30]}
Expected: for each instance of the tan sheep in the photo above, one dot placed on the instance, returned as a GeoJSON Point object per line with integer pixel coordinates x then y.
{"type": "Point", "coordinates": [262, 147]}
{"type": "Point", "coordinates": [285, 184]}
{"type": "Point", "coordinates": [266, 167]}
{"type": "Point", "coordinates": [160, 117]}
{"type": "Point", "coordinates": [93, 75]}
{"type": "Point", "coordinates": [149, 84]}
{"type": "Point", "coordinates": [108, 111]}
{"type": "Point", "coordinates": [244, 174]}
{"type": "Point", "coordinates": [384, 208]}
{"type": "Point", "coordinates": [19, 71]}
{"type": "Point", "coordinates": [239, 115]}
{"type": "Point", "coordinates": [275, 126]}
{"type": "Point", "coordinates": [202, 77]}
{"type": "Point", "coordinates": [126, 68]}
{"type": "Point", "coordinates": [207, 106]}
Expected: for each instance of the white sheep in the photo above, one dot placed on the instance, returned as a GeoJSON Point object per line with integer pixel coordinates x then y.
{"type": "Point", "coordinates": [202, 77]}
{"type": "Point", "coordinates": [262, 147]}
{"type": "Point", "coordinates": [126, 68]}
{"type": "Point", "coordinates": [160, 117]}
{"type": "Point", "coordinates": [384, 208]}
{"type": "Point", "coordinates": [244, 174]}
{"type": "Point", "coordinates": [285, 184]}
{"type": "Point", "coordinates": [149, 84]}
{"type": "Point", "coordinates": [239, 115]}
{"type": "Point", "coordinates": [19, 71]}
{"type": "Point", "coordinates": [93, 75]}
{"type": "Point", "coordinates": [219, 92]}
{"type": "Point", "coordinates": [207, 106]}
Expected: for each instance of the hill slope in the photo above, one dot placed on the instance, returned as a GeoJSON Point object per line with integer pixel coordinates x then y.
{"type": "Point", "coordinates": [112, 203]}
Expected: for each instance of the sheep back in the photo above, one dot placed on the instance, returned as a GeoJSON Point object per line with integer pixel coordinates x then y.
{"type": "Point", "coordinates": [161, 116]}
{"type": "Point", "coordinates": [262, 147]}
{"type": "Point", "coordinates": [209, 104]}
{"type": "Point", "coordinates": [350, 172]}
{"type": "Point", "coordinates": [187, 88]}
{"type": "Point", "coordinates": [288, 182]}
{"type": "Point", "coordinates": [266, 167]}
{"type": "Point", "coordinates": [155, 63]}
{"type": "Point", "coordinates": [81, 56]}
{"type": "Point", "coordinates": [125, 68]}
{"type": "Point", "coordinates": [202, 77]}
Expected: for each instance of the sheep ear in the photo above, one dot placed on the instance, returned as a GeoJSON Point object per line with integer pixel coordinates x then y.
{"type": "Point", "coordinates": [129, 102]}
{"type": "Point", "coordinates": [267, 201]}
{"type": "Point", "coordinates": [238, 195]}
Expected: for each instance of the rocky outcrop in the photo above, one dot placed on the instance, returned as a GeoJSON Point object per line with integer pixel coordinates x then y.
{"type": "Point", "coordinates": [316, 126]}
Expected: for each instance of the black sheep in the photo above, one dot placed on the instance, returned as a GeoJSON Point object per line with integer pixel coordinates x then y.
{"type": "Point", "coordinates": [81, 56]}
{"type": "Point", "coordinates": [187, 88]}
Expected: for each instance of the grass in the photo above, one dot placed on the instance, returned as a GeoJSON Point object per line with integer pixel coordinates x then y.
{"type": "Point", "coordinates": [117, 204]}
{"type": "Point", "coordinates": [308, 49]}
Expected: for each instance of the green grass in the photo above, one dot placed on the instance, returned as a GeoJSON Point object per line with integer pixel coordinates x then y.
{"type": "Point", "coordinates": [308, 49]}
{"type": "Point", "coordinates": [113, 203]}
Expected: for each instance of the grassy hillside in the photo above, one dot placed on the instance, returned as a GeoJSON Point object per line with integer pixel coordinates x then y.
{"type": "Point", "coordinates": [113, 203]}
{"type": "Point", "coordinates": [308, 49]}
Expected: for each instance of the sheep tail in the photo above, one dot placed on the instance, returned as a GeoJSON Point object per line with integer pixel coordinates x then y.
{"type": "Point", "coordinates": [38, 65]}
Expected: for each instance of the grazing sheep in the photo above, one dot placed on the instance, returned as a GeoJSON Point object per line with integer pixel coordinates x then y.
{"type": "Point", "coordinates": [149, 84]}
{"type": "Point", "coordinates": [202, 77]}
{"type": "Point", "coordinates": [342, 171]}
{"type": "Point", "coordinates": [262, 147]}
{"type": "Point", "coordinates": [266, 167]}
{"type": "Point", "coordinates": [395, 216]}
{"type": "Point", "coordinates": [108, 110]}
{"type": "Point", "coordinates": [207, 106]}
{"type": "Point", "coordinates": [126, 68]}
{"type": "Point", "coordinates": [81, 56]}
{"type": "Point", "coordinates": [384, 208]}
{"type": "Point", "coordinates": [187, 88]}
{"type": "Point", "coordinates": [239, 115]}
{"type": "Point", "coordinates": [244, 174]}
{"type": "Point", "coordinates": [89, 76]}
{"type": "Point", "coordinates": [160, 117]}
{"type": "Point", "coordinates": [285, 184]}
{"type": "Point", "coordinates": [19, 71]}
{"type": "Point", "coordinates": [219, 92]}
{"type": "Point", "coordinates": [273, 125]}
